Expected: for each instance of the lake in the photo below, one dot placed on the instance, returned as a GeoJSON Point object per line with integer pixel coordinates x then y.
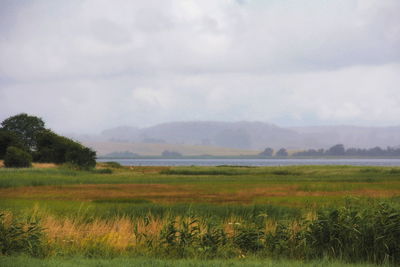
{"type": "Point", "coordinates": [253, 162]}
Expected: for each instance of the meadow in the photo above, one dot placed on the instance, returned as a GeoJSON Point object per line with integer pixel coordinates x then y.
{"type": "Point", "coordinates": [197, 216]}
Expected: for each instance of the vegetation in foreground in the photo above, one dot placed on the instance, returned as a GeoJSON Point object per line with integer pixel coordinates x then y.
{"type": "Point", "coordinates": [23, 261]}
{"type": "Point", "coordinates": [307, 213]}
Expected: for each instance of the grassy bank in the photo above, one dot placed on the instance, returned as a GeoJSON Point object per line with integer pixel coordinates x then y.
{"type": "Point", "coordinates": [72, 262]}
{"type": "Point", "coordinates": [303, 213]}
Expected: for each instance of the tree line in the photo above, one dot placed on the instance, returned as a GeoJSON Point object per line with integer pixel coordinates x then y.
{"type": "Point", "coordinates": [336, 150]}
{"type": "Point", "coordinates": [24, 138]}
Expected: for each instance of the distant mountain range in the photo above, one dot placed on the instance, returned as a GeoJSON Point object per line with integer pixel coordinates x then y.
{"type": "Point", "coordinates": [249, 135]}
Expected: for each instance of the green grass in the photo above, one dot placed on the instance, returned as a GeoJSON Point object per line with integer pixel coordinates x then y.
{"type": "Point", "coordinates": [199, 175]}
{"type": "Point", "coordinates": [103, 209]}
{"type": "Point", "coordinates": [286, 196]}
{"type": "Point", "coordinates": [21, 261]}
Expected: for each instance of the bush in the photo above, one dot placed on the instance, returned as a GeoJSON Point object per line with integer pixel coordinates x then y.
{"type": "Point", "coordinates": [81, 156]}
{"type": "Point", "coordinates": [20, 237]}
{"type": "Point", "coordinates": [102, 171]}
{"type": "Point", "coordinates": [8, 139]}
{"type": "Point", "coordinates": [357, 233]}
{"type": "Point", "coordinates": [249, 238]}
{"type": "Point", "coordinates": [58, 149]}
{"type": "Point", "coordinates": [112, 164]}
{"type": "Point", "coordinates": [17, 158]}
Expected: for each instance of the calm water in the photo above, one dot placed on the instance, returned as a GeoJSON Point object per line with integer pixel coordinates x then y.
{"type": "Point", "coordinates": [254, 162]}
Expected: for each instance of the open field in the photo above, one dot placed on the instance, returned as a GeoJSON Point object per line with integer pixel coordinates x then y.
{"type": "Point", "coordinates": [202, 213]}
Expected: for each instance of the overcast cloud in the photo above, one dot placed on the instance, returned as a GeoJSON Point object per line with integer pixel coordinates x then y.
{"type": "Point", "coordinates": [88, 65]}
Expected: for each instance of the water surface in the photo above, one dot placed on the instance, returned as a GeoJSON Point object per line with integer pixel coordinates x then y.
{"type": "Point", "coordinates": [254, 162]}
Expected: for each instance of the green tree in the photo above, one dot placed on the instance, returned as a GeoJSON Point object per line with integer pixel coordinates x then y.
{"type": "Point", "coordinates": [17, 158]}
{"type": "Point", "coordinates": [59, 149]}
{"type": "Point", "coordinates": [268, 152]}
{"type": "Point", "coordinates": [282, 153]}
{"type": "Point", "coordinates": [25, 127]}
{"type": "Point", "coordinates": [336, 150]}
{"type": "Point", "coordinates": [8, 139]}
{"type": "Point", "coordinates": [81, 156]}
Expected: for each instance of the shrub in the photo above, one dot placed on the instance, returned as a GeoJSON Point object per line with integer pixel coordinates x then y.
{"type": "Point", "coordinates": [17, 158]}
{"type": "Point", "coordinates": [82, 156]}
{"type": "Point", "coordinates": [112, 164]}
{"type": "Point", "coordinates": [249, 238]}
{"type": "Point", "coordinates": [59, 149]}
{"type": "Point", "coordinates": [367, 233]}
{"type": "Point", "coordinates": [20, 237]}
{"type": "Point", "coordinates": [8, 139]}
{"type": "Point", "coordinates": [102, 171]}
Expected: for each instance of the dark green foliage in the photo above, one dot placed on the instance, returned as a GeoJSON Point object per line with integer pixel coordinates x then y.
{"type": "Point", "coordinates": [286, 241]}
{"type": "Point", "coordinates": [51, 147]}
{"type": "Point", "coordinates": [357, 233]}
{"type": "Point", "coordinates": [112, 164]}
{"type": "Point", "coordinates": [102, 171]}
{"type": "Point", "coordinates": [191, 171]}
{"type": "Point", "coordinates": [20, 237]}
{"type": "Point", "coordinates": [213, 238]}
{"type": "Point", "coordinates": [177, 237]}
{"type": "Point", "coordinates": [285, 172]}
{"type": "Point", "coordinates": [25, 127]}
{"type": "Point", "coordinates": [28, 133]}
{"type": "Point", "coordinates": [336, 150]}
{"type": "Point", "coordinates": [17, 158]}
{"type": "Point", "coordinates": [249, 238]}
{"type": "Point", "coordinates": [81, 156]}
{"type": "Point", "coordinates": [58, 149]}
{"type": "Point", "coordinates": [8, 139]}
{"type": "Point", "coordinates": [268, 152]}
{"type": "Point", "coordinates": [282, 153]}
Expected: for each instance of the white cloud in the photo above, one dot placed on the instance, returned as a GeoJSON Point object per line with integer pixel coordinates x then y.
{"type": "Point", "coordinates": [87, 65]}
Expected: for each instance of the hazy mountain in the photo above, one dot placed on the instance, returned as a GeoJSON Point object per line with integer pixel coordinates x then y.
{"type": "Point", "coordinates": [238, 135]}
{"type": "Point", "coordinates": [351, 136]}
{"type": "Point", "coordinates": [250, 135]}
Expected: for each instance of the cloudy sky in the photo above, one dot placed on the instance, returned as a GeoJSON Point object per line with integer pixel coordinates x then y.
{"type": "Point", "coordinates": [84, 66]}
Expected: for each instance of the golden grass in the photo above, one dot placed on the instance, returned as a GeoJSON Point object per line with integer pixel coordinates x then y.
{"type": "Point", "coordinates": [68, 233]}
{"type": "Point", "coordinates": [172, 193]}
{"type": "Point", "coordinates": [43, 165]}
{"type": "Point", "coordinates": [123, 234]}
{"type": "Point", "coordinates": [35, 165]}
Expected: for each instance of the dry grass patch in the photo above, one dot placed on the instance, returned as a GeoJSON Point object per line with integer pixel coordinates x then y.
{"type": "Point", "coordinates": [43, 165]}
{"type": "Point", "coordinates": [172, 193]}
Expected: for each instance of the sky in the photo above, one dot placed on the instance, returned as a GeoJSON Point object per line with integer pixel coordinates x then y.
{"type": "Point", "coordinates": [87, 65]}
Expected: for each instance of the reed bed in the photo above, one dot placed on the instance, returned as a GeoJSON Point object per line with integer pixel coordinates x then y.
{"type": "Point", "coordinates": [359, 231]}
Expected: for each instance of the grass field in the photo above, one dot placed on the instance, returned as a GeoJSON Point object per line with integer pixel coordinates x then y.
{"type": "Point", "coordinates": [72, 262]}
{"type": "Point", "coordinates": [161, 214]}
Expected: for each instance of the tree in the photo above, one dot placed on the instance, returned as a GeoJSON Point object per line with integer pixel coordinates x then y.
{"type": "Point", "coordinates": [282, 153]}
{"type": "Point", "coordinates": [25, 127]}
{"type": "Point", "coordinates": [17, 158]}
{"type": "Point", "coordinates": [81, 156]}
{"type": "Point", "coordinates": [336, 150]}
{"type": "Point", "coordinates": [171, 154]}
{"type": "Point", "coordinates": [268, 152]}
{"type": "Point", "coordinates": [29, 133]}
{"type": "Point", "coordinates": [8, 139]}
{"type": "Point", "coordinates": [59, 149]}
{"type": "Point", "coordinates": [51, 147]}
